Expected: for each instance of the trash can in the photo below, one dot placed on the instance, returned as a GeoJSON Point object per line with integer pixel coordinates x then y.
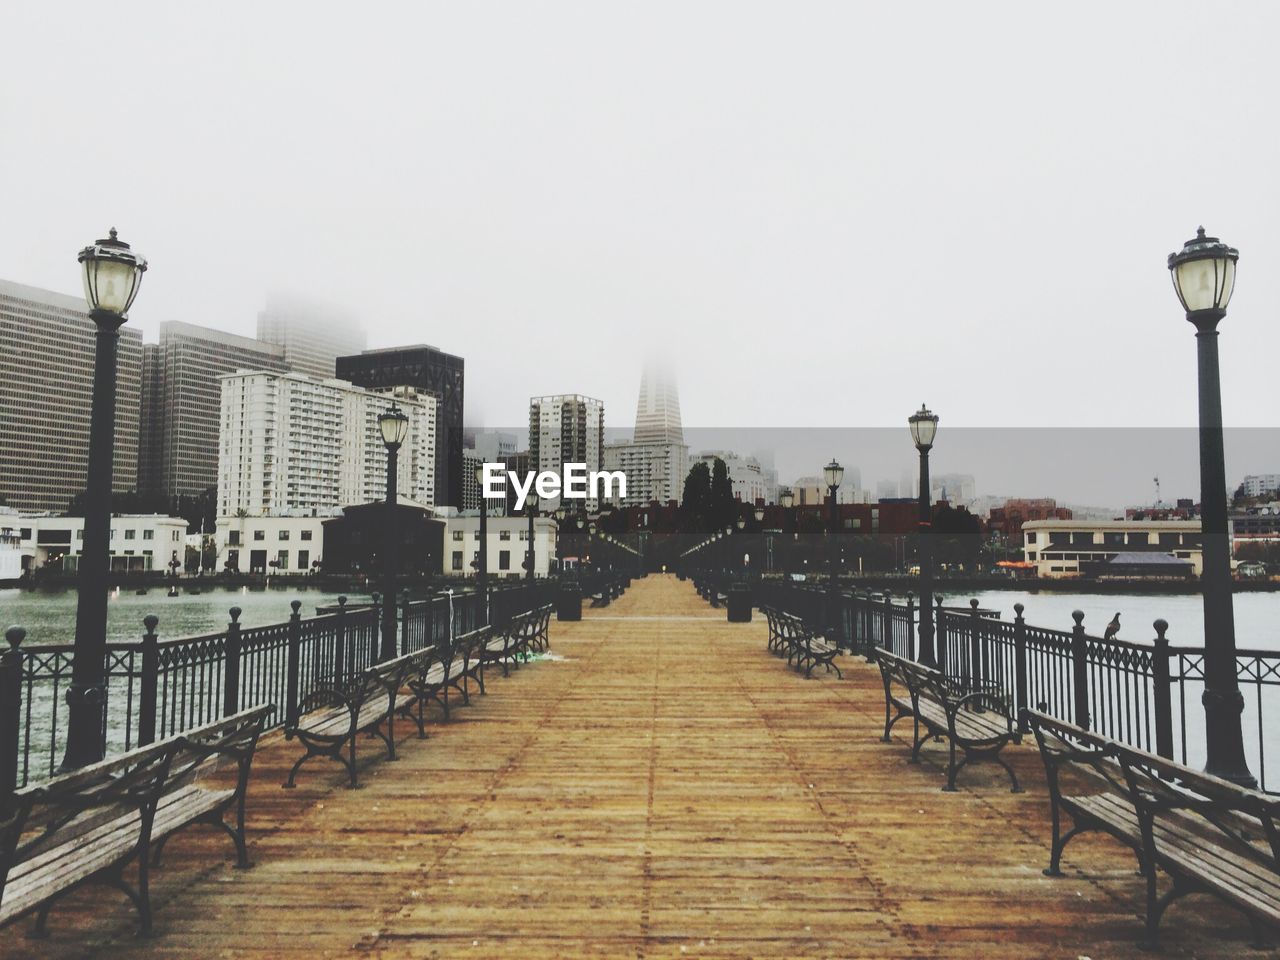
{"type": "Point", "coordinates": [569, 602]}
{"type": "Point", "coordinates": [739, 603]}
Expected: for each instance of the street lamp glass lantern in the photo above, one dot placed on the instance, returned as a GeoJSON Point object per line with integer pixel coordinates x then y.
{"type": "Point", "coordinates": [112, 274]}
{"type": "Point", "coordinates": [394, 426]}
{"type": "Point", "coordinates": [742, 524]}
{"type": "Point", "coordinates": [788, 500]}
{"type": "Point", "coordinates": [759, 514]}
{"type": "Point", "coordinates": [531, 502]}
{"type": "Point", "coordinates": [924, 427]}
{"type": "Point", "coordinates": [833, 473]}
{"type": "Point", "coordinates": [1204, 274]}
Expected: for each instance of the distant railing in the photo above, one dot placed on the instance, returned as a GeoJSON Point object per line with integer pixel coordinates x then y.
{"type": "Point", "coordinates": [1146, 695]}
{"type": "Point", "coordinates": [157, 688]}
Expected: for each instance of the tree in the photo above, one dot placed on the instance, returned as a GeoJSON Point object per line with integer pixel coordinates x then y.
{"type": "Point", "coordinates": [696, 501]}
{"type": "Point", "coordinates": [723, 509]}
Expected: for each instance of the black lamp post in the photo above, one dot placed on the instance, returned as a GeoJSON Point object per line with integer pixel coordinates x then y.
{"type": "Point", "coordinates": [530, 508]}
{"type": "Point", "coordinates": [1204, 276]}
{"type": "Point", "coordinates": [924, 427]}
{"type": "Point", "coordinates": [758, 513]}
{"type": "Point", "coordinates": [786, 500]}
{"type": "Point", "coordinates": [833, 474]}
{"type": "Point", "coordinates": [482, 558]}
{"type": "Point", "coordinates": [394, 426]}
{"type": "Point", "coordinates": [112, 275]}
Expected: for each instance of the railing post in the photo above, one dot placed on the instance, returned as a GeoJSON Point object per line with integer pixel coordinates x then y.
{"type": "Point", "coordinates": [939, 636]}
{"type": "Point", "coordinates": [975, 646]}
{"type": "Point", "coordinates": [375, 653]}
{"type": "Point", "coordinates": [911, 626]}
{"type": "Point", "coordinates": [293, 666]}
{"type": "Point", "coordinates": [345, 663]}
{"type": "Point", "coordinates": [148, 698]}
{"type": "Point", "coordinates": [886, 623]}
{"type": "Point", "coordinates": [1163, 691]}
{"type": "Point", "coordinates": [10, 714]}
{"type": "Point", "coordinates": [404, 625]}
{"type": "Point", "coordinates": [231, 676]}
{"type": "Point", "coordinates": [1080, 670]}
{"type": "Point", "coordinates": [1020, 664]}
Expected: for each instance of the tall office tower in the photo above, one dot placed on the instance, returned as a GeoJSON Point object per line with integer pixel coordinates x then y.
{"type": "Point", "coordinates": [296, 445]}
{"type": "Point", "coordinates": [312, 335]}
{"type": "Point", "coordinates": [47, 349]}
{"type": "Point", "coordinates": [656, 460]}
{"type": "Point", "coordinates": [658, 409]}
{"type": "Point", "coordinates": [567, 428]}
{"type": "Point", "coordinates": [429, 371]}
{"type": "Point", "coordinates": [184, 402]}
{"type": "Point", "coordinates": [151, 421]}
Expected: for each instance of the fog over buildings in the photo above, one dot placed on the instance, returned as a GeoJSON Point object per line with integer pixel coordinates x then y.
{"type": "Point", "coordinates": [818, 231]}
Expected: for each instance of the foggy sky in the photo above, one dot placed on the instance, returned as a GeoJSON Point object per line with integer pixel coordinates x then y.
{"type": "Point", "coordinates": [826, 213]}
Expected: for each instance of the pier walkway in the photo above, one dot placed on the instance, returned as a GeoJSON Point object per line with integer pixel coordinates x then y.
{"type": "Point", "coordinates": [666, 789]}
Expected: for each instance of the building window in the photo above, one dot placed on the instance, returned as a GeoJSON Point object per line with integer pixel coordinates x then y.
{"type": "Point", "coordinates": [259, 534]}
{"type": "Point", "coordinates": [457, 534]}
{"type": "Point", "coordinates": [504, 559]}
{"type": "Point", "coordinates": [282, 560]}
{"type": "Point", "coordinates": [504, 535]}
{"type": "Point", "coordinates": [1031, 538]}
{"type": "Point", "coordinates": [457, 560]}
{"type": "Point", "coordinates": [306, 534]}
{"type": "Point", "coordinates": [131, 534]}
{"type": "Point", "coordinates": [283, 535]}
{"type": "Point", "coordinates": [233, 538]}
{"type": "Point", "coordinates": [148, 534]}
{"type": "Point", "coordinates": [304, 559]}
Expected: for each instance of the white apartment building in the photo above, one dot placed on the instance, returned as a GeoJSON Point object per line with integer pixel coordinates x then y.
{"type": "Point", "coordinates": [10, 547]}
{"type": "Point", "coordinates": [270, 544]}
{"type": "Point", "coordinates": [1261, 484]}
{"type": "Point", "coordinates": [1060, 548]}
{"type": "Point", "coordinates": [750, 482]}
{"type": "Point", "coordinates": [507, 541]}
{"type": "Point", "coordinates": [566, 428]}
{"type": "Point", "coordinates": [290, 444]}
{"type": "Point", "coordinates": [140, 543]}
{"type": "Point", "coordinates": [654, 471]}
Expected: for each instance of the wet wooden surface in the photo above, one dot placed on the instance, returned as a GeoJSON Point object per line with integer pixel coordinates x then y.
{"type": "Point", "coordinates": [667, 789]}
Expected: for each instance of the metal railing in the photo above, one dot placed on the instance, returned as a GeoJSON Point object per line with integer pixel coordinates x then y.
{"type": "Point", "coordinates": [1146, 695]}
{"type": "Point", "coordinates": [157, 687]}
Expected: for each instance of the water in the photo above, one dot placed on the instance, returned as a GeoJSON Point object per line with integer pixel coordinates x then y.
{"type": "Point", "coordinates": [49, 615]}
{"type": "Point", "coordinates": [1257, 614]}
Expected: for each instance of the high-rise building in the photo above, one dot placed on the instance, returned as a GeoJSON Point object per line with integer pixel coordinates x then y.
{"type": "Point", "coordinates": [296, 445]}
{"type": "Point", "coordinates": [656, 459]}
{"type": "Point", "coordinates": [182, 403]}
{"type": "Point", "coordinates": [658, 409]}
{"type": "Point", "coordinates": [311, 335]}
{"type": "Point", "coordinates": [654, 471]}
{"type": "Point", "coordinates": [428, 370]}
{"type": "Point", "coordinates": [745, 473]}
{"type": "Point", "coordinates": [566, 428]}
{"type": "Point", "coordinates": [47, 349]}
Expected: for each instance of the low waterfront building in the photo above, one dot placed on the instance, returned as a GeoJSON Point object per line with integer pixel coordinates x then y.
{"type": "Point", "coordinates": [10, 548]}
{"type": "Point", "coordinates": [271, 544]}
{"type": "Point", "coordinates": [140, 542]}
{"type": "Point", "coordinates": [508, 541]}
{"type": "Point", "coordinates": [1074, 548]}
{"type": "Point", "coordinates": [354, 542]}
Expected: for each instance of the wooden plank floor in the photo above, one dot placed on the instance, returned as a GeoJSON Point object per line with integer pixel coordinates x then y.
{"type": "Point", "coordinates": [667, 789]}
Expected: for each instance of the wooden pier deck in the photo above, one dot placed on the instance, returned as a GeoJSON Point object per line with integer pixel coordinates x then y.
{"type": "Point", "coordinates": [668, 789]}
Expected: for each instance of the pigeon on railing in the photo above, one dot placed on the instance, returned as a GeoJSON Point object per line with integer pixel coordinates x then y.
{"type": "Point", "coordinates": [1112, 628]}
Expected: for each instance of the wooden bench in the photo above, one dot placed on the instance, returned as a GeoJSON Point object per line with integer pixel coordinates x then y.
{"type": "Point", "coordinates": [802, 644]}
{"type": "Point", "coordinates": [1209, 835]}
{"type": "Point", "coordinates": [507, 644]}
{"type": "Point", "coordinates": [332, 716]}
{"type": "Point", "coordinates": [975, 722]}
{"type": "Point", "coordinates": [96, 823]}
